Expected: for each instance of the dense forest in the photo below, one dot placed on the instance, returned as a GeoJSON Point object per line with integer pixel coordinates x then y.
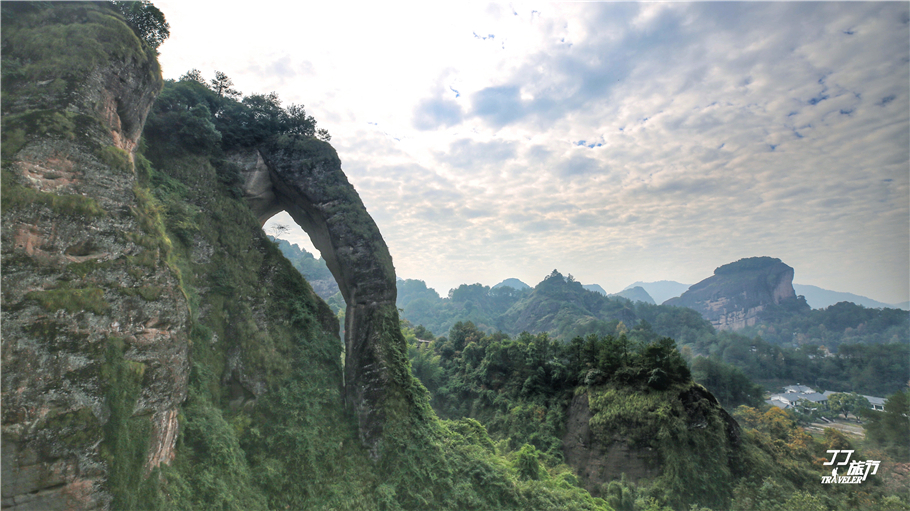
{"type": "Point", "coordinates": [868, 351]}
{"type": "Point", "coordinates": [168, 300]}
{"type": "Point", "coordinates": [524, 390]}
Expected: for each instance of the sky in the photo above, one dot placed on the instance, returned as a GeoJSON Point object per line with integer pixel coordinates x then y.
{"type": "Point", "coordinates": [616, 142]}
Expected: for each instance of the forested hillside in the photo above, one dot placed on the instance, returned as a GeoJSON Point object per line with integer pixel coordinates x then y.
{"type": "Point", "coordinates": [314, 270]}
{"type": "Point", "coordinates": [861, 350]}
{"type": "Point", "coordinates": [161, 352]}
{"type": "Point", "coordinates": [844, 347]}
{"type": "Point", "coordinates": [192, 366]}
{"type": "Point", "coordinates": [619, 409]}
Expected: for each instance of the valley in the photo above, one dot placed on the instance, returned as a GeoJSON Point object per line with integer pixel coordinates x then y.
{"type": "Point", "coordinates": [160, 351]}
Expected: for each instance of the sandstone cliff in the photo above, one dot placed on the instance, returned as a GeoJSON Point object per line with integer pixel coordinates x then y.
{"type": "Point", "coordinates": [663, 437]}
{"type": "Point", "coordinates": [94, 318]}
{"type": "Point", "coordinates": [304, 178]}
{"type": "Point", "coordinates": [158, 351]}
{"type": "Point", "coordinates": [738, 294]}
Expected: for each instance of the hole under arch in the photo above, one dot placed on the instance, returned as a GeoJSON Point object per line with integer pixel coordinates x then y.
{"type": "Point", "coordinates": [282, 226]}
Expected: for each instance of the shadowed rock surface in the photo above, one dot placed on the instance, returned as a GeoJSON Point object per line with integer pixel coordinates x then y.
{"type": "Point", "coordinates": [304, 178]}
{"type": "Point", "coordinates": [597, 463]}
{"type": "Point", "coordinates": [94, 320]}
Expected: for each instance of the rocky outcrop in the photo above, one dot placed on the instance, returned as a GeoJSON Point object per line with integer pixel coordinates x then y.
{"type": "Point", "coordinates": [304, 178]}
{"type": "Point", "coordinates": [94, 318]}
{"type": "Point", "coordinates": [614, 433]}
{"type": "Point", "coordinates": [739, 293]}
{"type": "Point", "coordinates": [596, 463]}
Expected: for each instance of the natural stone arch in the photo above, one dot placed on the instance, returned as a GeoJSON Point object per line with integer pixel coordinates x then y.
{"type": "Point", "coordinates": [304, 178]}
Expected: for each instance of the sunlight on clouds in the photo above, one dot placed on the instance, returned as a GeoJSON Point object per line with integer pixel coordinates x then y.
{"type": "Point", "coordinates": [614, 141]}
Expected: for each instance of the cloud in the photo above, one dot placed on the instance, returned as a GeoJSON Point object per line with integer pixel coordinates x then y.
{"type": "Point", "coordinates": [579, 165]}
{"type": "Point", "coordinates": [627, 141]}
{"type": "Point", "coordinates": [467, 154]}
{"type": "Point", "coordinates": [279, 70]}
{"type": "Point", "coordinates": [435, 113]}
{"type": "Point", "coordinates": [499, 105]}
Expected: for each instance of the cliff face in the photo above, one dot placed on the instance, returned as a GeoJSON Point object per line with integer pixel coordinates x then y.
{"type": "Point", "coordinates": [598, 462]}
{"type": "Point", "coordinates": [304, 178]}
{"type": "Point", "coordinates": [676, 437]}
{"type": "Point", "coordinates": [94, 318]}
{"type": "Point", "coordinates": [143, 305]}
{"type": "Point", "coordinates": [738, 293]}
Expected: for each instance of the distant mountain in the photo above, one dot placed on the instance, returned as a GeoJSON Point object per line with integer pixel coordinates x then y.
{"type": "Point", "coordinates": [741, 293]}
{"type": "Point", "coordinates": [410, 290]}
{"type": "Point", "coordinates": [662, 290]}
{"type": "Point", "coordinates": [819, 298]}
{"type": "Point", "coordinates": [561, 306]}
{"type": "Point", "coordinates": [315, 270]}
{"type": "Point", "coordinates": [636, 294]}
{"type": "Point", "coordinates": [596, 288]}
{"type": "Point", "coordinates": [513, 283]}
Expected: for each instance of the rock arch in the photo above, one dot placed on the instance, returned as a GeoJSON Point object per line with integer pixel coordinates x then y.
{"type": "Point", "coordinates": [304, 178]}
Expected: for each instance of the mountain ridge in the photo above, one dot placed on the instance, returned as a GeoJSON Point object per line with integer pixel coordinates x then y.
{"type": "Point", "coordinates": [636, 293]}
{"type": "Point", "coordinates": [819, 298]}
{"type": "Point", "coordinates": [661, 290]}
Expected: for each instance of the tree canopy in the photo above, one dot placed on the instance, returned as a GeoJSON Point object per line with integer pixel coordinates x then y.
{"type": "Point", "coordinates": [890, 429]}
{"type": "Point", "coordinates": [847, 403]}
{"type": "Point", "coordinates": [195, 116]}
{"type": "Point", "coordinates": [146, 20]}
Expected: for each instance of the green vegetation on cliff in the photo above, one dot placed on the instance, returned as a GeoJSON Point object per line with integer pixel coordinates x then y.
{"type": "Point", "coordinates": [642, 402]}
{"type": "Point", "coordinates": [264, 425]}
{"type": "Point", "coordinates": [520, 389]}
{"type": "Point", "coordinates": [259, 416]}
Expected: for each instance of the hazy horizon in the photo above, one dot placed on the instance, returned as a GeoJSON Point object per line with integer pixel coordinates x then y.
{"type": "Point", "coordinates": [307, 246]}
{"type": "Point", "coordinates": [614, 141]}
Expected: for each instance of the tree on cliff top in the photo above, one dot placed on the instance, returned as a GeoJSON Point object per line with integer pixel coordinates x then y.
{"type": "Point", "coordinates": [146, 20]}
{"type": "Point", "coordinates": [221, 84]}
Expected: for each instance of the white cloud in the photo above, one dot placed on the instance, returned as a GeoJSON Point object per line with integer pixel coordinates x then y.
{"type": "Point", "coordinates": [719, 131]}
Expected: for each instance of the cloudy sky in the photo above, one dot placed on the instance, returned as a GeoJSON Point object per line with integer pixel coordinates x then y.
{"type": "Point", "coordinates": [616, 142]}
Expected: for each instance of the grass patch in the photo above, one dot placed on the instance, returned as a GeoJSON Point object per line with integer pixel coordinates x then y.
{"type": "Point", "coordinates": [14, 196]}
{"type": "Point", "coordinates": [89, 299]}
{"type": "Point", "coordinates": [84, 268]}
{"type": "Point", "coordinates": [148, 293]}
{"type": "Point", "coordinates": [116, 158]}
